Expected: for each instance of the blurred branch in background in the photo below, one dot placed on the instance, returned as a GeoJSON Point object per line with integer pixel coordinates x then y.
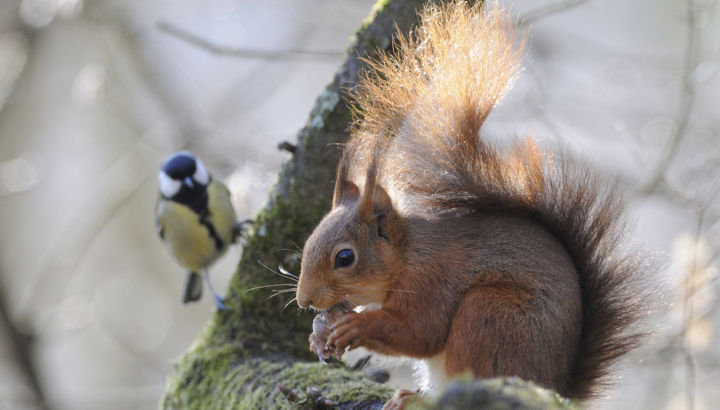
{"type": "Point", "coordinates": [548, 10]}
{"type": "Point", "coordinates": [697, 14]}
{"type": "Point", "coordinates": [19, 369]}
{"type": "Point", "coordinates": [687, 95]}
{"type": "Point", "coordinates": [20, 345]}
{"type": "Point", "coordinates": [240, 52]}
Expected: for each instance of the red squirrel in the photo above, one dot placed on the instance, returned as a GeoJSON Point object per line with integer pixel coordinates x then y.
{"type": "Point", "coordinates": [499, 259]}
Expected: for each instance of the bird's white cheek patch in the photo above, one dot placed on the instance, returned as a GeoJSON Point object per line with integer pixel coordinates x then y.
{"type": "Point", "coordinates": [168, 186]}
{"type": "Point", "coordinates": [201, 175]}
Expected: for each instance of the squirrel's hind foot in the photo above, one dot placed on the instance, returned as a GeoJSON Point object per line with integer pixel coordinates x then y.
{"type": "Point", "coordinates": [400, 399]}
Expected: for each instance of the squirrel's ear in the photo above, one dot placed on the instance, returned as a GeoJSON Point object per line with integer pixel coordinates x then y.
{"type": "Point", "coordinates": [376, 204]}
{"type": "Point", "coordinates": [382, 204]}
{"type": "Point", "coordinates": [344, 188]}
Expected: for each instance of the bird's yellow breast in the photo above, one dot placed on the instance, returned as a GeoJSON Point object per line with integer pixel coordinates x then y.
{"type": "Point", "coordinates": [221, 211]}
{"type": "Point", "coordinates": [187, 239]}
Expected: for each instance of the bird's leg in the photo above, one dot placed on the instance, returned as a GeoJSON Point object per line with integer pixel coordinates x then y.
{"type": "Point", "coordinates": [218, 299]}
{"type": "Point", "coordinates": [239, 228]}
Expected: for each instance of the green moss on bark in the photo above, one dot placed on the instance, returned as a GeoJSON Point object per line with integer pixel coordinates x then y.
{"type": "Point", "coordinates": [233, 383]}
{"type": "Point", "coordinates": [495, 394]}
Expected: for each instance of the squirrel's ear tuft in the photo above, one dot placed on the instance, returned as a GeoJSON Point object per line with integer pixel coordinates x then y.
{"type": "Point", "coordinates": [375, 204]}
{"type": "Point", "coordinates": [345, 191]}
{"type": "Point", "coordinates": [382, 204]}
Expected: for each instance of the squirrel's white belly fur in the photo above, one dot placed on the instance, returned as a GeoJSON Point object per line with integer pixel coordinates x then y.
{"type": "Point", "coordinates": [431, 372]}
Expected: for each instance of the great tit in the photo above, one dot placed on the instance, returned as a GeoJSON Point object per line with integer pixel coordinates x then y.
{"type": "Point", "coordinates": [195, 219]}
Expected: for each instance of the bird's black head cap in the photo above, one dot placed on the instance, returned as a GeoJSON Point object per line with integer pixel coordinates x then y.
{"type": "Point", "coordinates": [180, 165]}
{"type": "Point", "coordinates": [184, 179]}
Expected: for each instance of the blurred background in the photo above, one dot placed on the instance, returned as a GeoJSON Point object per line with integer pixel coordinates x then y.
{"type": "Point", "coordinates": [95, 93]}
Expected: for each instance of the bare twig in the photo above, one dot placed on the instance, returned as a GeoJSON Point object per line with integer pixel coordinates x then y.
{"type": "Point", "coordinates": [700, 211]}
{"type": "Point", "coordinates": [689, 284]}
{"type": "Point", "coordinates": [290, 395]}
{"type": "Point", "coordinates": [21, 347]}
{"type": "Point", "coordinates": [245, 52]}
{"type": "Point", "coordinates": [688, 316]}
{"type": "Point", "coordinates": [548, 10]}
{"type": "Point", "coordinates": [687, 101]}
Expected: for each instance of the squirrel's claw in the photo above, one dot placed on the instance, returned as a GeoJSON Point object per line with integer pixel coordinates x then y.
{"type": "Point", "coordinates": [318, 347]}
{"type": "Point", "coordinates": [345, 332]}
{"type": "Point", "coordinates": [400, 399]}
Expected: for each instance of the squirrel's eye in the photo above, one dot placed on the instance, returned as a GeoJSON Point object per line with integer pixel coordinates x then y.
{"type": "Point", "coordinates": [344, 258]}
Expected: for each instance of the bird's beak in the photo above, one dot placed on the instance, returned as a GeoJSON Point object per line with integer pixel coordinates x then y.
{"type": "Point", "coordinates": [188, 182]}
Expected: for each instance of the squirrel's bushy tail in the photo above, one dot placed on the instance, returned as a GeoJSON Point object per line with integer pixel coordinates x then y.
{"type": "Point", "coordinates": [455, 70]}
{"type": "Point", "coordinates": [427, 104]}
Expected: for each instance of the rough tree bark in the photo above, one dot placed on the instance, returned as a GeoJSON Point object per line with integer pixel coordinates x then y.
{"type": "Point", "coordinates": [256, 343]}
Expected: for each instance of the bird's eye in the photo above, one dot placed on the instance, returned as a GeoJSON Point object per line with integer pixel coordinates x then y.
{"type": "Point", "coordinates": [344, 258]}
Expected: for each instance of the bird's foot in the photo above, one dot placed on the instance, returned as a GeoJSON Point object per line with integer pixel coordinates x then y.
{"type": "Point", "coordinates": [219, 302]}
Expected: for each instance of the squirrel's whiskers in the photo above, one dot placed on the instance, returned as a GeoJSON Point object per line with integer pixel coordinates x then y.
{"type": "Point", "coordinates": [290, 287]}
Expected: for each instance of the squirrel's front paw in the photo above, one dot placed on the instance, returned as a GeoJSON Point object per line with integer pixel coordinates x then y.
{"type": "Point", "coordinates": [346, 333]}
{"type": "Point", "coordinates": [322, 325]}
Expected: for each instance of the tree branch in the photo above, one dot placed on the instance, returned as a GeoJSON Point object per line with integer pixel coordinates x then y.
{"type": "Point", "coordinates": [548, 10]}
{"type": "Point", "coordinates": [687, 101]}
{"type": "Point", "coordinates": [240, 52]}
{"type": "Point", "coordinates": [21, 344]}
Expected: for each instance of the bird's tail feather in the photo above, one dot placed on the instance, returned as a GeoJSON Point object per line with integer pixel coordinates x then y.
{"type": "Point", "coordinates": [193, 287]}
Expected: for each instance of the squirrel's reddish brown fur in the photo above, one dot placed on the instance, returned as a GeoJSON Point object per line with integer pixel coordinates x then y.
{"type": "Point", "coordinates": [505, 259]}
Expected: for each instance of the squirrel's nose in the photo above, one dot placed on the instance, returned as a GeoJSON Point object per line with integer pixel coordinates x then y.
{"type": "Point", "coordinates": [306, 293]}
{"type": "Point", "coordinates": [303, 299]}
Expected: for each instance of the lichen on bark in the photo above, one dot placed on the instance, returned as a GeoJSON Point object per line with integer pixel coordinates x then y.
{"type": "Point", "coordinates": [495, 394]}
